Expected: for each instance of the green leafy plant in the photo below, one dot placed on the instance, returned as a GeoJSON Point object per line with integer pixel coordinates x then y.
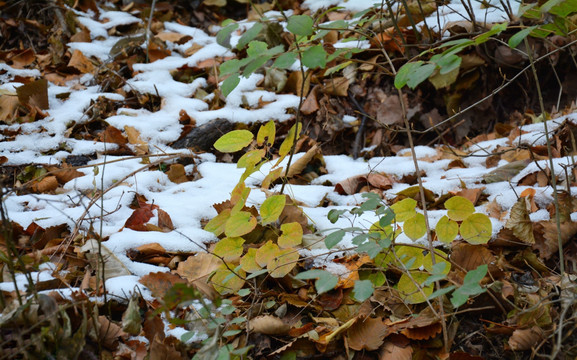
{"type": "Point", "coordinates": [261, 52]}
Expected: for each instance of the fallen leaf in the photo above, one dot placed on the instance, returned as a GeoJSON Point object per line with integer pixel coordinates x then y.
{"type": "Point", "coordinates": [367, 334]}
{"type": "Point", "coordinates": [526, 339]}
{"type": "Point", "coordinates": [34, 94]}
{"type": "Point", "coordinates": [80, 62]}
{"type": "Point", "coordinates": [520, 222]}
{"type": "Point", "coordinates": [196, 269]}
{"type": "Point", "coordinates": [268, 325]}
{"type": "Point", "coordinates": [160, 282]}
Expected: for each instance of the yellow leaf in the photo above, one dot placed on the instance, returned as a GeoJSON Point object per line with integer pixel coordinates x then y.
{"type": "Point", "coordinates": [284, 261]}
{"type": "Point", "coordinates": [266, 253]}
{"type": "Point", "coordinates": [292, 235]}
{"type": "Point", "coordinates": [230, 248]}
{"type": "Point", "coordinates": [447, 230]}
{"type": "Point", "coordinates": [271, 208]}
{"type": "Point", "coordinates": [415, 227]}
{"type": "Point", "coordinates": [239, 224]}
{"type": "Point", "coordinates": [266, 131]}
{"type": "Point", "coordinates": [248, 262]}
{"type": "Point", "coordinates": [413, 293]}
{"type": "Point", "coordinates": [476, 229]}
{"type": "Point", "coordinates": [217, 224]}
{"type": "Point", "coordinates": [459, 208]}
{"type": "Point", "coordinates": [404, 209]}
{"type": "Point", "coordinates": [227, 282]}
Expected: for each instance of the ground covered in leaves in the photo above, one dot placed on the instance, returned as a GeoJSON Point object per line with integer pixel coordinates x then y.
{"type": "Point", "coordinates": [129, 231]}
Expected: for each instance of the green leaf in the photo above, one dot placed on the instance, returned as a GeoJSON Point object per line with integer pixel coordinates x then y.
{"type": "Point", "coordinates": [403, 74]}
{"type": "Point", "coordinates": [301, 25]}
{"type": "Point", "coordinates": [326, 281]}
{"type": "Point", "coordinates": [229, 84]}
{"type": "Point", "coordinates": [449, 63]}
{"type": "Point", "coordinates": [285, 61]}
{"type": "Point", "coordinates": [476, 229]}
{"type": "Point", "coordinates": [249, 35]}
{"type": "Point", "coordinates": [420, 74]}
{"type": "Point", "coordinates": [223, 36]}
{"type": "Point", "coordinates": [441, 81]}
{"type": "Point", "coordinates": [239, 224]}
{"type": "Point", "coordinates": [334, 238]}
{"type": "Point", "coordinates": [292, 235]}
{"type": "Point", "coordinates": [459, 208]}
{"type": "Point", "coordinates": [447, 230]}
{"type": "Point", "coordinates": [335, 214]}
{"type": "Point", "coordinates": [470, 286]}
{"type": "Point", "coordinates": [230, 67]}
{"type": "Point", "coordinates": [516, 39]}
{"type": "Point", "coordinates": [315, 57]}
{"type": "Point", "coordinates": [230, 248]}
{"type": "Point", "coordinates": [371, 248]}
{"type": "Point", "coordinates": [233, 141]}
{"type": "Point", "coordinates": [415, 227]}
{"type": "Point", "coordinates": [271, 208]}
{"type": "Point", "coordinates": [256, 48]}
{"type": "Point", "coordinates": [441, 292]}
{"type": "Point", "coordinates": [255, 64]}
{"type": "Point", "coordinates": [404, 209]}
{"type": "Point", "coordinates": [363, 290]}
{"type": "Point", "coordinates": [496, 29]}
{"type": "Point", "coordinates": [250, 158]}
{"type": "Point", "coordinates": [266, 132]}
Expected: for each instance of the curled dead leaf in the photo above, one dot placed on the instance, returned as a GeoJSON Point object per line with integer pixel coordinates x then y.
{"type": "Point", "coordinates": [268, 325]}
{"type": "Point", "coordinates": [526, 339]}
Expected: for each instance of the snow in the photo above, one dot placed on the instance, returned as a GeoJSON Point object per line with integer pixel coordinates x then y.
{"type": "Point", "coordinates": [191, 202]}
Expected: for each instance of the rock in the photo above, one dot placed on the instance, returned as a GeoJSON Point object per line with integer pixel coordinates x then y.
{"type": "Point", "coordinates": [203, 137]}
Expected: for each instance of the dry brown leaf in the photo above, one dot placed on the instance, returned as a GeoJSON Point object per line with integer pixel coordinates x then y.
{"type": "Point", "coordinates": [109, 332]}
{"type": "Point", "coordinates": [47, 184]}
{"type": "Point", "coordinates": [367, 334]}
{"type": "Point", "coordinates": [495, 211]}
{"type": "Point", "coordinates": [159, 350]}
{"type": "Point", "coordinates": [151, 249]}
{"type": "Point", "coordinates": [520, 222]}
{"type": "Point", "coordinates": [65, 174]}
{"type": "Point", "coordinates": [547, 242]}
{"type": "Point", "coordinates": [469, 257]}
{"type": "Point", "coordinates": [472, 195]}
{"type": "Point", "coordinates": [303, 161]}
{"type": "Point", "coordinates": [113, 135]}
{"type": "Point", "coordinates": [423, 333]}
{"type": "Point", "coordinates": [338, 86]}
{"type": "Point", "coordinates": [381, 180]}
{"type": "Point", "coordinates": [134, 138]}
{"type": "Point", "coordinates": [80, 62]}
{"type": "Point", "coordinates": [21, 58]}
{"type": "Point", "coordinates": [268, 325]}
{"type": "Point", "coordinates": [196, 269]}
{"type": "Point", "coordinates": [160, 282]}
{"type": "Point", "coordinates": [164, 221]}
{"type": "Point", "coordinates": [392, 351]}
{"type": "Point", "coordinates": [526, 339]}
{"type": "Point", "coordinates": [311, 103]}
{"type": "Point", "coordinates": [34, 94]}
{"type": "Point", "coordinates": [173, 37]}
{"type": "Point", "coordinates": [8, 108]}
